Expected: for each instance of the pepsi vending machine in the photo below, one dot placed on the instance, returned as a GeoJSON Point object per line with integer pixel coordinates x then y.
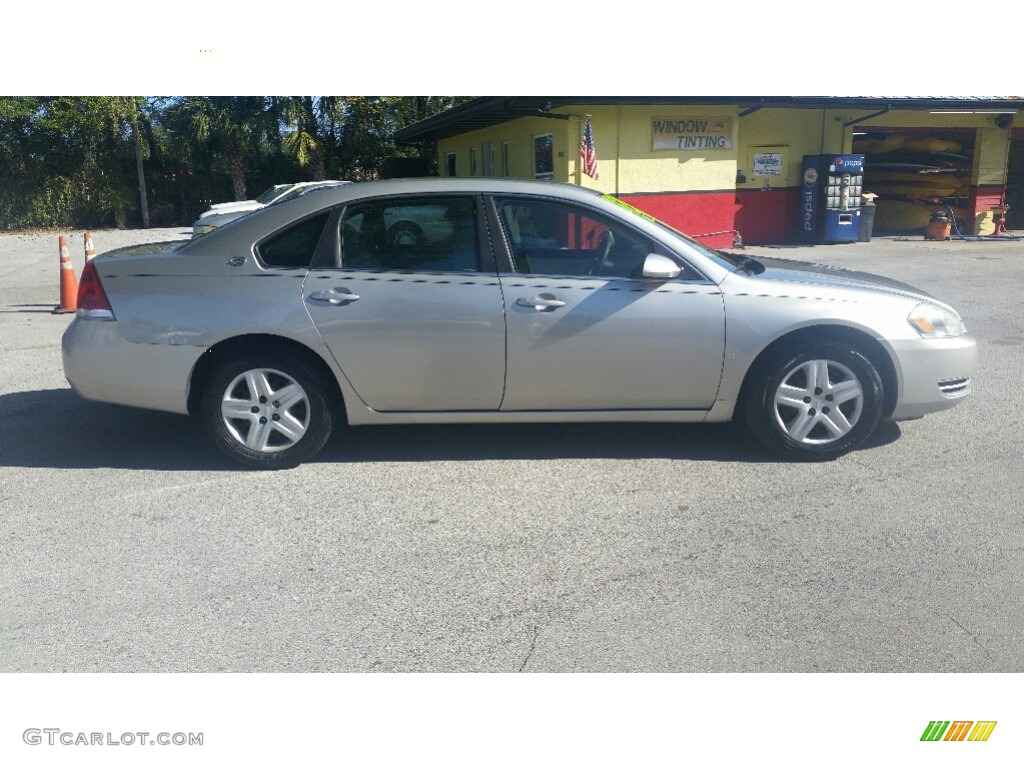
{"type": "Point", "coordinates": [830, 198]}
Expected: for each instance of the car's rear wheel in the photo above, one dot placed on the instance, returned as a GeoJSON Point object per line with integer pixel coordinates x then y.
{"type": "Point", "coordinates": [816, 403]}
{"type": "Point", "coordinates": [266, 414]}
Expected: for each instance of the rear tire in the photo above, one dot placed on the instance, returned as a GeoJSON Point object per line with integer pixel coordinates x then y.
{"type": "Point", "coordinates": [266, 413]}
{"type": "Point", "coordinates": [816, 403]}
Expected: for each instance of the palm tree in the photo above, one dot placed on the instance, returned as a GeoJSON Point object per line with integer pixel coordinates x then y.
{"type": "Point", "coordinates": [350, 137]}
{"type": "Point", "coordinates": [234, 130]}
{"type": "Point", "coordinates": [309, 127]}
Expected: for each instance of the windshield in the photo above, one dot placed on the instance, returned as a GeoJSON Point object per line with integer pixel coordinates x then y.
{"type": "Point", "coordinates": [295, 191]}
{"type": "Point", "coordinates": [306, 188]}
{"type": "Point", "coordinates": [724, 259]}
{"type": "Point", "coordinates": [271, 193]}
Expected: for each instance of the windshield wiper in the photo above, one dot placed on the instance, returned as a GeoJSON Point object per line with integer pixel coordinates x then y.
{"type": "Point", "coordinates": [745, 263]}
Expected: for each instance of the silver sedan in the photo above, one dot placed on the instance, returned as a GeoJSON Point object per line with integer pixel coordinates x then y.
{"type": "Point", "coordinates": [530, 302]}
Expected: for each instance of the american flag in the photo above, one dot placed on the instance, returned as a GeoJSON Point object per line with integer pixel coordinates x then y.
{"type": "Point", "coordinates": [588, 152]}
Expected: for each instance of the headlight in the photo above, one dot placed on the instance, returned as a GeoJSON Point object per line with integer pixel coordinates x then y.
{"type": "Point", "coordinates": [935, 322]}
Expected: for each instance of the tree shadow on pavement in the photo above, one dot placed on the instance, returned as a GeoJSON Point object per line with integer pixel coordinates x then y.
{"type": "Point", "coordinates": [57, 429]}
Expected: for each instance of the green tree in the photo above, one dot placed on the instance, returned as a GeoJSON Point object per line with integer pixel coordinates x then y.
{"type": "Point", "coordinates": [352, 137]}
{"type": "Point", "coordinates": [309, 131]}
{"type": "Point", "coordinates": [81, 145]}
{"type": "Point", "coordinates": [235, 132]}
{"type": "Point", "coordinates": [95, 160]}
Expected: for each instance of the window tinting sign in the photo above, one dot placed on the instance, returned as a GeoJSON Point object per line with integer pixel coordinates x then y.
{"type": "Point", "coordinates": [691, 133]}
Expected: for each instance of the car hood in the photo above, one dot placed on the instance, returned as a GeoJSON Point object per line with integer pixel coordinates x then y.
{"type": "Point", "coordinates": [809, 273]}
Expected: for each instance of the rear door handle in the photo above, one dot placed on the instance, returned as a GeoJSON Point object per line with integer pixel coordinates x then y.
{"type": "Point", "coordinates": [543, 302]}
{"type": "Point", "coordinates": [335, 296]}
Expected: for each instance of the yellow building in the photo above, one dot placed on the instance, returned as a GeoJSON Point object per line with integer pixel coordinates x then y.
{"type": "Point", "coordinates": [717, 166]}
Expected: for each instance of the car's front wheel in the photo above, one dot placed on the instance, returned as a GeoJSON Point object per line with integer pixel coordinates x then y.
{"type": "Point", "coordinates": [816, 403]}
{"type": "Point", "coordinates": [266, 414]}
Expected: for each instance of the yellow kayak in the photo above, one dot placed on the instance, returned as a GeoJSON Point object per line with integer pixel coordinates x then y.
{"type": "Point", "coordinates": [922, 188]}
{"type": "Point", "coordinates": [938, 177]}
{"type": "Point", "coordinates": [909, 142]}
{"type": "Point", "coordinates": [931, 144]}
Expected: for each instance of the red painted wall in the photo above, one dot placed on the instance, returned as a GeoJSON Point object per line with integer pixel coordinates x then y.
{"type": "Point", "coordinates": [698, 214]}
{"type": "Point", "coordinates": [983, 199]}
{"type": "Point", "coordinates": [768, 218]}
{"type": "Point", "coordinates": [762, 218]}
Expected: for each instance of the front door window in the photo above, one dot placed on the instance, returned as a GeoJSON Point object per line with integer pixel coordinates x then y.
{"type": "Point", "coordinates": [549, 238]}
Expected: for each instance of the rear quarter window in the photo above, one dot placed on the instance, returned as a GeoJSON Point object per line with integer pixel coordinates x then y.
{"type": "Point", "coordinates": [294, 246]}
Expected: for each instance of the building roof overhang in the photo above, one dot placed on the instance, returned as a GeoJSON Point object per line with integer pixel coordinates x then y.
{"type": "Point", "coordinates": [487, 111]}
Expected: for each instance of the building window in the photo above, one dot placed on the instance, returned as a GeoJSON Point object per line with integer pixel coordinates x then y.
{"type": "Point", "coordinates": [543, 156]}
{"type": "Point", "coordinates": [487, 150]}
{"type": "Point", "coordinates": [504, 159]}
{"type": "Point", "coordinates": [449, 164]}
{"type": "Point", "coordinates": [472, 161]}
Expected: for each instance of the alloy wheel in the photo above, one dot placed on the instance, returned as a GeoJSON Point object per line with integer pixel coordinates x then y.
{"type": "Point", "coordinates": [265, 410]}
{"type": "Point", "coordinates": [818, 402]}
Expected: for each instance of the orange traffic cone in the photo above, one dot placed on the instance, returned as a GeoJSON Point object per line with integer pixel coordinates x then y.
{"type": "Point", "coordinates": [68, 281]}
{"type": "Point", "coordinates": [90, 252]}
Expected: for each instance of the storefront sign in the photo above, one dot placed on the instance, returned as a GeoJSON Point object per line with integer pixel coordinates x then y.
{"type": "Point", "coordinates": [691, 133]}
{"type": "Point", "coordinates": [767, 163]}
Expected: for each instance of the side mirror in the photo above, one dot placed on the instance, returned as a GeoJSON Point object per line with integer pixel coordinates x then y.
{"type": "Point", "coordinates": [658, 267]}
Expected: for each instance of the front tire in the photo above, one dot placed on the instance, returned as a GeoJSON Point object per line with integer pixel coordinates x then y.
{"type": "Point", "coordinates": [266, 413]}
{"type": "Point", "coordinates": [815, 404]}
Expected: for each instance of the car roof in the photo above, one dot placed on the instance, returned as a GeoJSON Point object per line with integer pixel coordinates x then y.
{"type": "Point", "coordinates": [486, 185]}
{"type": "Point", "coordinates": [256, 225]}
{"type": "Point", "coordinates": [333, 193]}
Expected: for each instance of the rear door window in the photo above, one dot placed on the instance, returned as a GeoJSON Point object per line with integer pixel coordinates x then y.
{"type": "Point", "coordinates": [435, 234]}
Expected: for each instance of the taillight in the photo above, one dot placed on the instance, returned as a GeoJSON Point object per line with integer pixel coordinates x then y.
{"type": "Point", "coordinates": [92, 299]}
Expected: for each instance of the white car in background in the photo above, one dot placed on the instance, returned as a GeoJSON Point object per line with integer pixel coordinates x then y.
{"type": "Point", "coordinates": [265, 198]}
{"type": "Point", "coordinates": [221, 213]}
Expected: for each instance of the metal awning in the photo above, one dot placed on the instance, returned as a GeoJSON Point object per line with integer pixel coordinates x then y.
{"type": "Point", "coordinates": [487, 111]}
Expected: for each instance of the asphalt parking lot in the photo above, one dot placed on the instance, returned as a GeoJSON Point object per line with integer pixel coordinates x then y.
{"type": "Point", "coordinates": [128, 545]}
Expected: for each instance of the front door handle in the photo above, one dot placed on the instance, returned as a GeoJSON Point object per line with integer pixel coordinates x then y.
{"type": "Point", "coordinates": [335, 296]}
{"type": "Point", "coordinates": [542, 302]}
